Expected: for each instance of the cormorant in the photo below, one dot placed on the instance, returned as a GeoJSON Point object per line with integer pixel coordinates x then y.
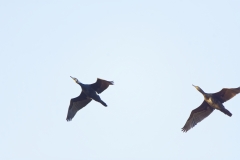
{"type": "Point", "coordinates": [88, 93]}
{"type": "Point", "coordinates": [211, 101]}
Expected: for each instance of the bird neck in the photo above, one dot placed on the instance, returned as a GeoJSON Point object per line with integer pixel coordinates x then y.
{"type": "Point", "coordinates": [78, 82]}
{"type": "Point", "coordinates": [83, 86]}
{"type": "Point", "coordinates": [201, 91]}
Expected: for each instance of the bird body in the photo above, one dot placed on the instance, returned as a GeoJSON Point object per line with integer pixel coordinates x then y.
{"type": "Point", "coordinates": [214, 103]}
{"type": "Point", "coordinates": [89, 92]}
{"type": "Point", "coordinates": [211, 102]}
{"type": "Point", "coordinates": [87, 89]}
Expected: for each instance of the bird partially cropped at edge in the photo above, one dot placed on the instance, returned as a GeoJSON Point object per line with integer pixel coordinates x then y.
{"type": "Point", "coordinates": [211, 101]}
{"type": "Point", "coordinates": [88, 93]}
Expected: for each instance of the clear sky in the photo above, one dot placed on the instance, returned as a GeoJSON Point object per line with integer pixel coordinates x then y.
{"type": "Point", "coordinates": [153, 50]}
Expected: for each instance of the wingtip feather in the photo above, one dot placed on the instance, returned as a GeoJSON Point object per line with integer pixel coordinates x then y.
{"type": "Point", "coordinates": [111, 82]}
{"type": "Point", "coordinates": [184, 130]}
{"type": "Point", "coordinates": [68, 119]}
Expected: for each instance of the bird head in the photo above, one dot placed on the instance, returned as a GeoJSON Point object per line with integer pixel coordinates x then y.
{"type": "Point", "coordinates": [196, 87]}
{"type": "Point", "coordinates": [75, 79]}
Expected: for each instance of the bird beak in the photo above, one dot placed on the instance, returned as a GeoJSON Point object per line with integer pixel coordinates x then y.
{"type": "Point", "coordinates": [73, 78]}
{"type": "Point", "coordinates": [195, 86]}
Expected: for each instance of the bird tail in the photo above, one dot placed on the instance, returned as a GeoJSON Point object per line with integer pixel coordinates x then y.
{"type": "Point", "coordinates": [103, 103]}
{"type": "Point", "coordinates": [225, 111]}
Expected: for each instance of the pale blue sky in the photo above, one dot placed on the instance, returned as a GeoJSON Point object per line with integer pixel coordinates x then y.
{"type": "Point", "coordinates": [153, 50]}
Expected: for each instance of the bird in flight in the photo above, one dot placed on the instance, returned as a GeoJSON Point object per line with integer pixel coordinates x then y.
{"type": "Point", "coordinates": [211, 102]}
{"type": "Point", "coordinates": [89, 92]}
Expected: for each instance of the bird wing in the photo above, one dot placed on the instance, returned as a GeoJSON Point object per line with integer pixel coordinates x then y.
{"type": "Point", "coordinates": [197, 115]}
{"type": "Point", "coordinates": [76, 104]}
{"type": "Point", "coordinates": [100, 85]}
{"type": "Point", "coordinates": [226, 93]}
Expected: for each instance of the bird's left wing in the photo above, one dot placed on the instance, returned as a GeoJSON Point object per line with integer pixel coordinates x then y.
{"type": "Point", "coordinates": [197, 115]}
{"type": "Point", "coordinates": [101, 85]}
{"type": "Point", "coordinates": [226, 93]}
{"type": "Point", "coordinates": [76, 104]}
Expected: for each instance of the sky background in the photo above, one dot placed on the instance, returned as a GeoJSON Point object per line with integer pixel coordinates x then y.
{"type": "Point", "coordinates": [153, 50]}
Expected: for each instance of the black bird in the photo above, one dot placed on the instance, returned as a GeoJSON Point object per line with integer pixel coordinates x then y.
{"type": "Point", "coordinates": [211, 101]}
{"type": "Point", "coordinates": [88, 93]}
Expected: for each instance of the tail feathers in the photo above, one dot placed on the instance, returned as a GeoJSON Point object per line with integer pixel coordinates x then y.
{"type": "Point", "coordinates": [227, 112]}
{"type": "Point", "coordinates": [103, 103]}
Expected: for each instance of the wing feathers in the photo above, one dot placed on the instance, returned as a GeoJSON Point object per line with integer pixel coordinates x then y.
{"type": "Point", "coordinates": [100, 85]}
{"type": "Point", "coordinates": [76, 104]}
{"type": "Point", "coordinates": [197, 115]}
{"type": "Point", "coordinates": [226, 94]}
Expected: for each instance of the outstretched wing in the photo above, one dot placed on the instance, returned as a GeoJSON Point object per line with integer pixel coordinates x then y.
{"type": "Point", "coordinates": [226, 93]}
{"type": "Point", "coordinates": [76, 104]}
{"type": "Point", "coordinates": [101, 85]}
{"type": "Point", "coordinates": [197, 115]}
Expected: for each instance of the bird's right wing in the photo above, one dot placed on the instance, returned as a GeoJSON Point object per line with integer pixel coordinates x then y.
{"type": "Point", "coordinates": [101, 85]}
{"type": "Point", "coordinates": [76, 104]}
{"type": "Point", "coordinates": [197, 115]}
{"type": "Point", "coordinates": [226, 93]}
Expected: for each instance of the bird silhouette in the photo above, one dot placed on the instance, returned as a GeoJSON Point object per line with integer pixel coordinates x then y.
{"type": "Point", "coordinates": [89, 92]}
{"type": "Point", "coordinates": [211, 101]}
